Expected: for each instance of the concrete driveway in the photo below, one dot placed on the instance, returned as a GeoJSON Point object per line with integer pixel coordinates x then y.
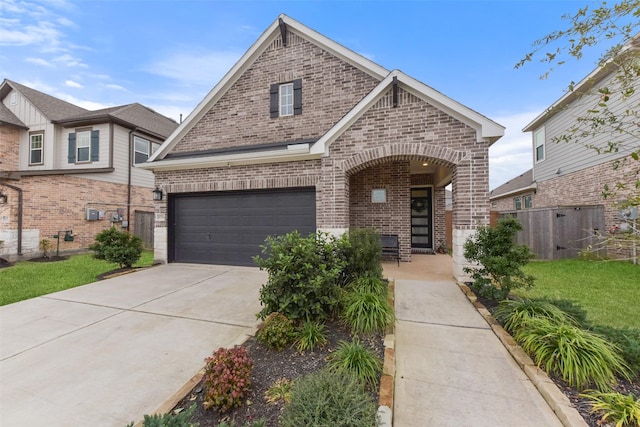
{"type": "Point", "coordinates": [107, 353]}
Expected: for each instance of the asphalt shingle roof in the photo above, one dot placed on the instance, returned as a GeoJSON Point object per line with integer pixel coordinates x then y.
{"type": "Point", "coordinates": [519, 182]}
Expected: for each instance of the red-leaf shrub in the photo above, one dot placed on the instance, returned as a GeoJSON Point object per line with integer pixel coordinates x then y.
{"type": "Point", "coordinates": [227, 378]}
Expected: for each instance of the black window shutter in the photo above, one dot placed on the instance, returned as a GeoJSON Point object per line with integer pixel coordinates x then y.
{"type": "Point", "coordinates": [72, 148]}
{"type": "Point", "coordinates": [274, 102]}
{"type": "Point", "coordinates": [95, 145]}
{"type": "Point", "coordinates": [297, 96]}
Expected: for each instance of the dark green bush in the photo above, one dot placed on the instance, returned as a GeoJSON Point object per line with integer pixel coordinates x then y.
{"type": "Point", "coordinates": [327, 398]}
{"type": "Point", "coordinates": [627, 340]}
{"type": "Point", "coordinates": [227, 378]}
{"type": "Point", "coordinates": [169, 420]}
{"type": "Point", "coordinates": [362, 253]}
{"type": "Point", "coordinates": [500, 260]}
{"type": "Point", "coordinates": [353, 358]}
{"type": "Point", "coordinates": [303, 276]}
{"type": "Point", "coordinates": [116, 246]}
{"type": "Point", "coordinates": [276, 331]}
{"type": "Point", "coordinates": [579, 357]}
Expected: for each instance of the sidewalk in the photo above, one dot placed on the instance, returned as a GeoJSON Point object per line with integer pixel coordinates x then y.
{"type": "Point", "coordinates": [451, 369]}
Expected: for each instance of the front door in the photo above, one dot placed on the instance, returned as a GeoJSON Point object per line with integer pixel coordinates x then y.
{"type": "Point", "coordinates": [421, 218]}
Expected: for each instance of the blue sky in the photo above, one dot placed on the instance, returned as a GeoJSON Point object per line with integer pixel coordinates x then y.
{"type": "Point", "coordinates": [167, 54]}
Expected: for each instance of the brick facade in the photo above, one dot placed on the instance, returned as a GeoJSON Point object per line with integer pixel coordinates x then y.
{"type": "Point", "coordinates": [57, 202]}
{"type": "Point", "coordinates": [9, 147]}
{"type": "Point", "coordinates": [373, 152]}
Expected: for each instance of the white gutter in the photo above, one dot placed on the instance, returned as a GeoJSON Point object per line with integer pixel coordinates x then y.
{"type": "Point", "coordinates": [292, 152]}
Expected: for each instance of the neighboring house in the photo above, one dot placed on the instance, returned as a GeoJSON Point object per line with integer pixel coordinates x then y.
{"type": "Point", "coordinates": [305, 134]}
{"type": "Point", "coordinates": [64, 168]}
{"type": "Point", "coordinates": [516, 194]}
{"type": "Point", "coordinates": [570, 174]}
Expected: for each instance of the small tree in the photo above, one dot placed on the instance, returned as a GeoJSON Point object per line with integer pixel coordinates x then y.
{"type": "Point", "coordinates": [45, 245]}
{"type": "Point", "coordinates": [500, 260]}
{"type": "Point", "coordinates": [116, 246]}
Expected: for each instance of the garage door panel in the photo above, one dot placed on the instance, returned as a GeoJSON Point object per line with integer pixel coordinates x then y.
{"type": "Point", "coordinates": [228, 228]}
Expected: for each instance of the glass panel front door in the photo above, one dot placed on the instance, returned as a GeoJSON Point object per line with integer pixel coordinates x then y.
{"type": "Point", "coordinates": [421, 218]}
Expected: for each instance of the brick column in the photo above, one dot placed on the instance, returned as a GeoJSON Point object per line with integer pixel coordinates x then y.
{"type": "Point", "coordinates": [332, 199]}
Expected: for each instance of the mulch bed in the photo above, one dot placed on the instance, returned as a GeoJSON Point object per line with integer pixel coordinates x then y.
{"type": "Point", "coordinates": [268, 367]}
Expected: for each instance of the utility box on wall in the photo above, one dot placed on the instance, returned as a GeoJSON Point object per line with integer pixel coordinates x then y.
{"type": "Point", "coordinates": [92, 214]}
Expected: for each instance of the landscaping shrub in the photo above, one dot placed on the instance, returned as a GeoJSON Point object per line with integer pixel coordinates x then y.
{"type": "Point", "coordinates": [616, 408]}
{"type": "Point", "coordinates": [310, 335]}
{"type": "Point", "coordinates": [169, 420]}
{"type": "Point", "coordinates": [276, 331]}
{"type": "Point", "coordinates": [514, 314]}
{"type": "Point", "coordinates": [500, 260]}
{"type": "Point", "coordinates": [327, 398]}
{"type": "Point", "coordinates": [303, 276]}
{"type": "Point", "coordinates": [575, 311]}
{"type": "Point", "coordinates": [367, 312]}
{"type": "Point", "coordinates": [628, 341]}
{"type": "Point", "coordinates": [355, 359]}
{"type": "Point", "coordinates": [579, 357]}
{"type": "Point", "coordinates": [118, 247]}
{"type": "Point", "coordinates": [280, 391]}
{"type": "Point", "coordinates": [362, 253]}
{"type": "Point", "coordinates": [227, 378]}
{"type": "Point", "coordinates": [369, 283]}
{"type": "Point", "coordinates": [231, 423]}
{"type": "Point", "coordinates": [45, 246]}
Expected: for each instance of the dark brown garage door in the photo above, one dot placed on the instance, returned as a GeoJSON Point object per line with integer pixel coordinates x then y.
{"type": "Point", "coordinates": [229, 227]}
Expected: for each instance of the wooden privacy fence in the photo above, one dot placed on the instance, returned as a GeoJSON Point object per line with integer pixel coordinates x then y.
{"type": "Point", "coordinates": [144, 222]}
{"type": "Point", "coordinates": [559, 232]}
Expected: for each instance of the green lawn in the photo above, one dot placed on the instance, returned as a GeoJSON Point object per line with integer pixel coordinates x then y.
{"type": "Point", "coordinates": [27, 279]}
{"type": "Point", "coordinates": [608, 290]}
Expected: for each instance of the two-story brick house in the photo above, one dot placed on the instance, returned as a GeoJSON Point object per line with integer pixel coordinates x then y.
{"type": "Point", "coordinates": [574, 174]}
{"type": "Point", "coordinates": [65, 168]}
{"type": "Point", "coordinates": [305, 134]}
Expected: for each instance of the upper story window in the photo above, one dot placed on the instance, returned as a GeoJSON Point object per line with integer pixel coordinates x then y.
{"type": "Point", "coordinates": [538, 140]}
{"type": "Point", "coordinates": [143, 149]}
{"type": "Point", "coordinates": [36, 141]}
{"type": "Point", "coordinates": [84, 146]}
{"type": "Point", "coordinates": [286, 99]}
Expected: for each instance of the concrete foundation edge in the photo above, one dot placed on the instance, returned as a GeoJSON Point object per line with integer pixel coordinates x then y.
{"type": "Point", "coordinates": [555, 398]}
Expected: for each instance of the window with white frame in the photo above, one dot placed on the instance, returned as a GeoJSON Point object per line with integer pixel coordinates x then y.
{"type": "Point", "coordinates": [83, 146]}
{"type": "Point", "coordinates": [143, 149]}
{"type": "Point", "coordinates": [538, 139]}
{"type": "Point", "coordinates": [517, 203]}
{"type": "Point", "coordinates": [286, 99]}
{"type": "Point", "coordinates": [36, 141]}
{"type": "Point", "coordinates": [528, 201]}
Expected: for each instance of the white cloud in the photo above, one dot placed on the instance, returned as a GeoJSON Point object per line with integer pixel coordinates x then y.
{"type": "Point", "coordinates": [511, 155]}
{"type": "Point", "coordinates": [115, 87]}
{"type": "Point", "coordinates": [39, 61]}
{"type": "Point", "coordinates": [71, 83]}
{"type": "Point", "coordinates": [70, 61]}
{"type": "Point", "coordinates": [199, 67]}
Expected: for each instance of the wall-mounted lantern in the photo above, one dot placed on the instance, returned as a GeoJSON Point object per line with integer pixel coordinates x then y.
{"type": "Point", "coordinates": [3, 198]}
{"type": "Point", "coordinates": [157, 194]}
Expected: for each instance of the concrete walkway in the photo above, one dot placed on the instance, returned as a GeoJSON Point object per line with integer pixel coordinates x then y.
{"type": "Point", "coordinates": [109, 352]}
{"type": "Point", "coordinates": [451, 369]}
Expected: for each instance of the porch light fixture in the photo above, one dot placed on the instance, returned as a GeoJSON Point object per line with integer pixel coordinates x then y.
{"type": "Point", "coordinates": [157, 194]}
{"type": "Point", "coordinates": [425, 164]}
{"type": "Point", "coordinates": [3, 198]}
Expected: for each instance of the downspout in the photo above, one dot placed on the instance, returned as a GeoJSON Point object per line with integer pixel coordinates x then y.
{"type": "Point", "coordinates": [129, 167]}
{"type": "Point", "coordinates": [19, 190]}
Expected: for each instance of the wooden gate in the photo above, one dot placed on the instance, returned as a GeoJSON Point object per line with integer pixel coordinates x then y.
{"type": "Point", "coordinates": [144, 223]}
{"type": "Point", "coordinates": [559, 232]}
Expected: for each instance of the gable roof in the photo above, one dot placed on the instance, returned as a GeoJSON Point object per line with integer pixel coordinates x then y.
{"type": "Point", "coordinates": [134, 116]}
{"type": "Point", "coordinates": [53, 108]}
{"type": "Point", "coordinates": [8, 118]}
{"type": "Point", "coordinates": [520, 183]}
{"type": "Point", "coordinates": [631, 47]}
{"type": "Point", "coordinates": [486, 128]}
